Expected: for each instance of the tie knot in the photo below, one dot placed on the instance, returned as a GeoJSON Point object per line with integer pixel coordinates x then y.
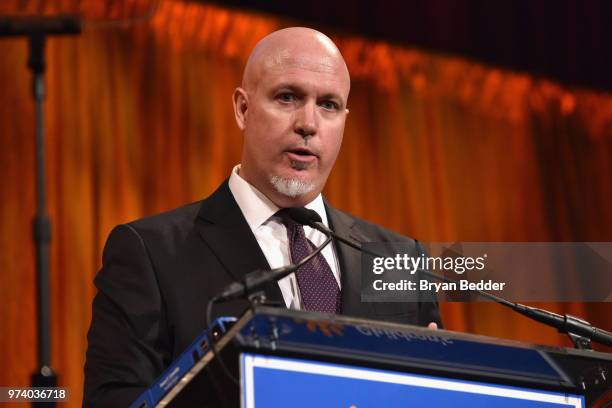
{"type": "Point", "coordinates": [289, 223]}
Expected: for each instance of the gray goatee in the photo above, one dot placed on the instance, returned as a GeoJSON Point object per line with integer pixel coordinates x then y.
{"type": "Point", "coordinates": [291, 187]}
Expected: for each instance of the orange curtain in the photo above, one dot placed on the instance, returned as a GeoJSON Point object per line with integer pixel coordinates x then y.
{"type": "Point", "coordinates": [139, 120]}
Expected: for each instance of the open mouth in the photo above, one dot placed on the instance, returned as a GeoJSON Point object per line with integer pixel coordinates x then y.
{"type": "Point", "coordinates": [302, 152]}
{"type": "Point", "coordinates": [301, 158]}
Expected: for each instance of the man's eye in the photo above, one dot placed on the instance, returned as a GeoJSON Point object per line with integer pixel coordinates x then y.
{"type": "Point", "coordinates": [286, 97]}
{"type": "Point", "coordinates": [329, 105]}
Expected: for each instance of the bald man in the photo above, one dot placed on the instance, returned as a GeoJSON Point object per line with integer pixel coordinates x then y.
{"type": "Point", "coordinates": [291, 109]}
{"type": "Point", "coordinates": [158, 273]}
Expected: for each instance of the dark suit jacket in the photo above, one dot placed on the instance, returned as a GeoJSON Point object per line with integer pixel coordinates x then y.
{"type": "Point", "coordinates": [159, 272]}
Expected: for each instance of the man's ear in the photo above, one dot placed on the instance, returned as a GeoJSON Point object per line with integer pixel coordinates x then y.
{"type": "Point", "coordinates": [241, 105]}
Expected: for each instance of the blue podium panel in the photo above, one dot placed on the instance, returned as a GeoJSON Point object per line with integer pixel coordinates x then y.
{"type": "Point", "coordinates": [282, 382]}
{"type": "Point", "coordinates": [409, 345]}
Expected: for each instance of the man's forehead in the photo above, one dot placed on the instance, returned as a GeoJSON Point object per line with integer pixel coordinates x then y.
{"type": "Point", "coordinates": [295, 50]}
{"type": "Point", "coordinates": [287, 59]}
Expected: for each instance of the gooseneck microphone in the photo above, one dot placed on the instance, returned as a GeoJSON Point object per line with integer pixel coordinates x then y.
{"type": "Point", "coordinates": [257, 280]}
{"type": "Point", "coordinates": [563, 323]}
{"type": "Point", "coordinates": [302, 215]}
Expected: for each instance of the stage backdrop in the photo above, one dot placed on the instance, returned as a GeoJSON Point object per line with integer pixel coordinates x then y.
{"type": "Point", "coordinates": [139, 120]}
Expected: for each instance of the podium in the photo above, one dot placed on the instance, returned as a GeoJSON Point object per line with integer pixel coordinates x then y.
{"type": "Point", "coordinates": [285, 358]}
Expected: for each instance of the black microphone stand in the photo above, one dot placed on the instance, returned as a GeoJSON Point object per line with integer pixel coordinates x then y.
{"type": "Point", "coordinates": [36, 29]}
{"type": "Point", "coordinates": [45, 376]}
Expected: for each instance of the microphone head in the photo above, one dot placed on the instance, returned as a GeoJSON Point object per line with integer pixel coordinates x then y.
{"type": "Point", "coordinates": [302, 215]}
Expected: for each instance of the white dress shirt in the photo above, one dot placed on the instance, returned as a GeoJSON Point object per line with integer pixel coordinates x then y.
{"type": "Point", "coordinates": [271, 234]}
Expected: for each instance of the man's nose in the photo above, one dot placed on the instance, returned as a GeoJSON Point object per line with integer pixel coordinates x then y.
{"type": "Point", "coordinates": [306, 120]}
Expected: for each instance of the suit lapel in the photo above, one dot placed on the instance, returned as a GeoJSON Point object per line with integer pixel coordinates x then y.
{"type": "Point", "coordinates": [224, 229]}
{"type": "Point", "coordinates": [350, 263]}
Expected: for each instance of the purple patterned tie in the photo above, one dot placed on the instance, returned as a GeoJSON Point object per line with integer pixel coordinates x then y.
{"type": "Point", "coordinates": [318, 286]}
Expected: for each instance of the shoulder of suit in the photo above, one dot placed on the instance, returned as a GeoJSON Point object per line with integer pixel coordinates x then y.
{"type": "Point", "coordinates": [370, 232]}
{"type": "Point", "coordinates": [178, 218]}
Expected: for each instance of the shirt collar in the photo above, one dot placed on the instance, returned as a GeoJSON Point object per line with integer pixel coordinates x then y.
{"type": "Point", "coordinates": [256, 207]}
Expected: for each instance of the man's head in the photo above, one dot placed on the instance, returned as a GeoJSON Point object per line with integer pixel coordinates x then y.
{"type": "Point", "coordinates": [291, 109]}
